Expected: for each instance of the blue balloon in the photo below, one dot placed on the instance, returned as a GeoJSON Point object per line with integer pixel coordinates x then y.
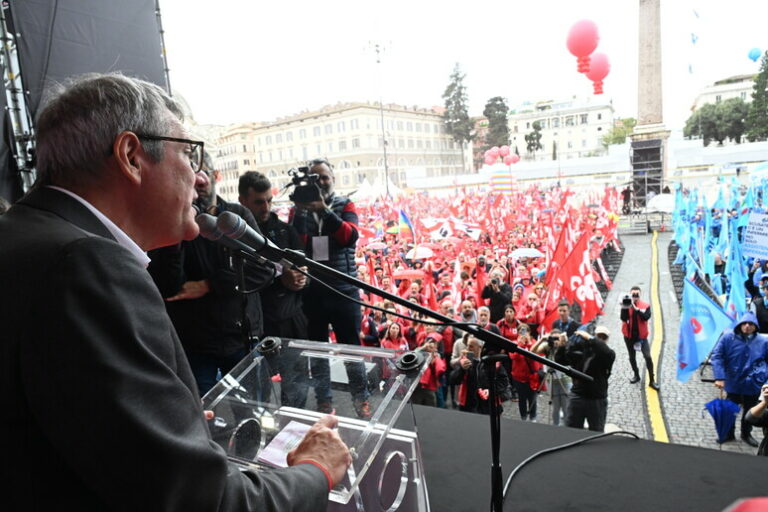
{"type": "Point", "coordinates": [754, 54]}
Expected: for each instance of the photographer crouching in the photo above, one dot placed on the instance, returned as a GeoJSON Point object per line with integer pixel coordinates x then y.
{"type": "Point", "coordinates": [634, 326]}
{"type": "Point", "coordinates": [327, 224]}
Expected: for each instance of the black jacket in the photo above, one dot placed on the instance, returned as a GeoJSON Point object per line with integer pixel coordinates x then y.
{"type": "Point", "coordinates": [278, 302]}
{"type": "Point", "coordinates": [592, 357]}
{"type": "Point", "coordinates": [499, 300]}
{"type": "Point", "coordinates": [100, 409]}
{"type": "Point", "coordinates": [210, 324]}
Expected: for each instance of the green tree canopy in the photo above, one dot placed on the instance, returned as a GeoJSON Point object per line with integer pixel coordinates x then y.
{"type": "Point", "coordinates": [619, 132]}
{"type": "Point", "coordinates": [718, 122]}
{"type": "Point", "coordinates": [533, 139]}
{"type": "Point", "coordinates": [498, 129]}
{"type": "Point", "coordinates": [756, 123]}
{"type": "Point", "coordinates": [456, 115]}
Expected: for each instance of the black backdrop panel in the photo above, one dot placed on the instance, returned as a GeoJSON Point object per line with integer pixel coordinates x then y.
{"type": "Point", "coordinates": [62, 38]}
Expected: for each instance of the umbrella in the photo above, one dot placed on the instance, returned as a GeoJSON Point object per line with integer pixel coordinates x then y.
{"type": "Point", "coordinates": [724, 413]}
{"type": "Point", "coordinates": [664, 203]}
{"type": "Point", "coordinates": [409, 274]}
{"type": "Point", "coordinates": [526, 252]}
{"type": "Point", "coordinates": [419, 253]}
{"type": "Point", "coordinates": [376, 246]}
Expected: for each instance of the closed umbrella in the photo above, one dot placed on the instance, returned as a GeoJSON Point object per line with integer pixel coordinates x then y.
{"type": "Point", "coordinates": [724, 413]}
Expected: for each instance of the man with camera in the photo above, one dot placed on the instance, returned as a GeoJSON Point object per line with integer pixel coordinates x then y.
{"type": "Point", "coordinates": [327, 224]}
{"type": "Point", "coordinates": [591, 355]}
{"type": "Point", "coordinates": [634, 326]}
{"type": "Point", "coordinates": [499, 293]}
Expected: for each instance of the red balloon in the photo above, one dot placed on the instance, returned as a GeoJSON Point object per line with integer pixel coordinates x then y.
{"type": "Point", "coordinates": [490, 160]}
{"type": "Point", "coordinates": [598, 70]}
{"type": "Point", "coordinates": [515, 158]}
{"type": "Point", "coordinates": [582, 41]}
{"type": "Point", "coordinates": [494, 151]}
{"type": "Point", "coordinates": [508, 160]}
{"type": "Point", "coordinates": [583, 38]}
{"type": "Point", "coordinates": [504, 150]}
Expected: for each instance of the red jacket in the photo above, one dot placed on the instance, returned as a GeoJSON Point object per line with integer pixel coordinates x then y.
{"type": "Point", "coordinates": [628, 316]}
{"type": "Point", "coordinates": [526, 370]}
{"type": "Point", "coordinates": [430, 379]}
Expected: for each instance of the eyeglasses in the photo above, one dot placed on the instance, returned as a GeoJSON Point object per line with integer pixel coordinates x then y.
{"type": "Point", "coordinates": [194, 149]}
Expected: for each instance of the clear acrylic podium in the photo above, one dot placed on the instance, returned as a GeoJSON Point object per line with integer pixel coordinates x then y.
{"type": "Point", "coordinates": [262, 409]}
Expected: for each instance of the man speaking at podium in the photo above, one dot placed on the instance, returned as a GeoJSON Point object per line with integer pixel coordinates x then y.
{"type": "Point", "coordinates": [100, 410]}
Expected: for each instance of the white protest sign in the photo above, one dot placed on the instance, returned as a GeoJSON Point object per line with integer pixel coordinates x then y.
{"type": "Point", "coordinates": [755, 241]}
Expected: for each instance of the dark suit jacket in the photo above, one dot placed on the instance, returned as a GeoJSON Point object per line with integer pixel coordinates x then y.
{"type": "Point", "coordinates": [99, 407]}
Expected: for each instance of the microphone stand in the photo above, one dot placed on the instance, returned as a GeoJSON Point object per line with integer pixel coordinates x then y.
{"type": "Point", "coordinates": [238, 264]}
{"type": "Point", "coordinates": [492, 340]}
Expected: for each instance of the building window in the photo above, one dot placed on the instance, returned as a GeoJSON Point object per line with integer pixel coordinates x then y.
{"type": "Point", "coordinates": [555, 122]}
{"type": "Point", "coordinates": [304, 153]}
{"type": "Point", "coordinates": [270, 156]}
{"type": "Point", "coordinates": [330, 147]}
{"type": "Point", "coordinates": [718, 98]}
{"type": "Point", "coordinates": [303, 133]}
{"type": "Point", "coordinates": [435, 128]}
{"type": "Point", "coordinates": [528, 125]}
{"type": "Point", "coordinates": [290, 153]}
{"type": "Point", "coordinates": [355, 142]}
{"type": "Point", "coordinates": [428, 144]}
{"type": "Point", "coordinates": [410, 143]}
{"type": "Point", "coordinates": [316, 131]}
{"type": "Point", "coordinates": [584, 118]}
{"type": "Point", "coordinates": [419, 144]}
{"type": "Point", "coordinates": [328, 129]}
{"type": "Point", "coordinates": [353, 124]}
{"type": "Point", "coordinates": [409, 126]}
{"type": "Point", "coordinates": [400, 125]}
{"type": "Point", "coordinates": [743, 95]}
{"type": "Point", "coordinates": [391, 124]}
{"type": "Point", "coordinates": [269, 140]}
{"type": "Point", "coordinates": [418, 127]}
{"type": "Point", "coordinates": [319, 150]}
{"type": "Point", "coordinates": [400, 143]}
{"type": "Point", "coordinates": [342, 145]}
{"type": "Point", "coordinates": [570, 145]}
{"type": "Point", "coordinates": [246, 162]}
{"type": "Point", "coordinates": [583, 143]}
{"type": "Point", "coordinates": [279, 138]}
{"type": "Point", "coordinates": [345, 179]}
{"type": "Point", "coordinates": [261, 157]}
{"type": "Point", "coordinates": [340, 126]}
{"type": "Point", "coordinates": [569, 121]}
{"type": "Point", "coordinates": [245, 148]}
{"type": "Point", "coordinates": [289, 137]}
{"type": "Point", "coordinates": [599, 117]}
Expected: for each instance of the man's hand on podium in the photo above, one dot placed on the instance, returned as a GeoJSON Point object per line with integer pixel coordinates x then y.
{"type": "Point", "coordinates": [323, 448]}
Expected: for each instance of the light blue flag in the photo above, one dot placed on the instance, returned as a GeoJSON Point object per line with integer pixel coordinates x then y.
{"type": "Point", "coordinates": [736, 305]}
{"type": "Point", "coordinates": [700, 327]}
{"type": "Point", "coordinates": [745, 208]}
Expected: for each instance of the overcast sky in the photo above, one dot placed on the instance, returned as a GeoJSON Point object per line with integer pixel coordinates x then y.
{"type": "Point", "coordinates": [246, 60]}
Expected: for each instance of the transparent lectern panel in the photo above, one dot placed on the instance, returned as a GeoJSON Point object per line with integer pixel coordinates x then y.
{"type": "Point", "coordinates": [263, 407]}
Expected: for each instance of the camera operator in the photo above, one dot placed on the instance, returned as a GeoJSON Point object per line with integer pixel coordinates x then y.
{"type": "Point", "coordinates": [590, 355]}
{"type": "Point", "coordinates": [559, 383]}
{"type": "Point", "coordinates": [634, 326]}
{"type": "Point", "coordinates": [499, 293]}
{"type": "Point", "coordinates": [327, 224]}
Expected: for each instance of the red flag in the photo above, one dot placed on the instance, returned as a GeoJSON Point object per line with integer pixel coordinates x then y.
{"type": "Point", "coordinates": [560, 254]}
{"type": "Point", "coordinates": [575, 283]}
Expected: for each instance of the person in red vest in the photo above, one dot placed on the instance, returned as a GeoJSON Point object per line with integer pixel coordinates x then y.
{"type": "Point", "coordinates": [634, 326]}
{"type": "Point", "coordinates": [426, 392]}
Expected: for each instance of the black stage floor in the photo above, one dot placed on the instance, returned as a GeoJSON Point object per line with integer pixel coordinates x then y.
{"type": "Point", "coordinates": [616, 473]}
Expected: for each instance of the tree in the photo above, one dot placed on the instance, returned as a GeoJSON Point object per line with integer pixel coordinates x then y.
{"type": "Point", "coordinates": [456, 116]}
{"type": "Point", "coordinates": [498, 129]}
{"type": "Point", "coordinates": [533, 139]}
{"type": "Point", "coordinates": [757, 119]}
{"type": "Point", "coordinates": [718, 122]}
{"type": "Point", "coordinates": [619, 132]}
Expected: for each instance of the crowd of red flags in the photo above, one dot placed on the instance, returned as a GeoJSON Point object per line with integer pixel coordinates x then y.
{"type": "Point", "coordinates": [450, 233]}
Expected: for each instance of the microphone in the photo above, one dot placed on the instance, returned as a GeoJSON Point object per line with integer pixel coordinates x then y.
{"type": "Point", "coordinates": [234, 227]}
{"type": "Point", "coordinates": [209, 230]}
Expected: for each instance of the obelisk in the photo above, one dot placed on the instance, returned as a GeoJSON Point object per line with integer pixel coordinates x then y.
{"type": "Point", "coordinates": [649, 138]}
